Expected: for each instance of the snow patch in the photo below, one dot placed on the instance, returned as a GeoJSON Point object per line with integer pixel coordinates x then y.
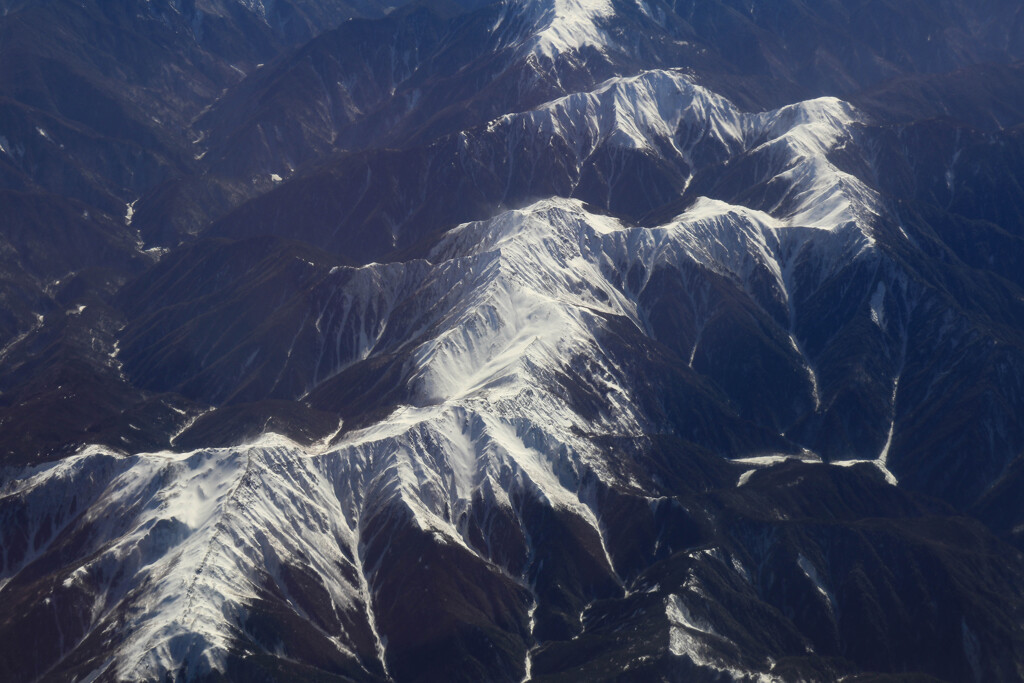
{"type": "Point", "coordinates": [811, 572]}
{"type": "Point", "coordinates": [694, 640]}
{"type": "Point", "coordinates": [878, 306]}
{"type": "Point", "coordinates": [890, 478]}
{"type": "Point", "coordinates": [129, 211]}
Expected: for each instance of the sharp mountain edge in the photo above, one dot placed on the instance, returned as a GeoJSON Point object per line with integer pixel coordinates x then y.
{"type": "Point", "coordinates": [546, 340]}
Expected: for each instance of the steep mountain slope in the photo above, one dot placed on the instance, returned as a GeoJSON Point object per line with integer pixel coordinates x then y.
{"type": "Point", "coordinates": [96, 101]}
{"type": "Point", "coordinates": [533, 341]}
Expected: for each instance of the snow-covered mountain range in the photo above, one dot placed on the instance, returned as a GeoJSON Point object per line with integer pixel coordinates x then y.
{"type": "Point", "coordinates": [535, 340]}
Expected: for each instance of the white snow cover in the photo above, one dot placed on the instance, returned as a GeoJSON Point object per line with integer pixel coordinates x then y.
{"type": "Point", "coordinates": [664, 113]}
{"type": "Point", "coordinates": [812, 574]}
{"type": "Point", "coordinates": [691, 638]}
{"type": "Point", "coordinates": [572, 24]}
{"type": "Point", "coordinates": [644, 111]}
{"type": "Point", "coordinates": [549, 28]}
{"type": "Point", "coordinates": [184, 541]}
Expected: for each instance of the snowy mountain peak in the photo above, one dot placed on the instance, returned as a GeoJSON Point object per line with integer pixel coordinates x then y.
{"type": "Point", "coordinates": [568, 26]}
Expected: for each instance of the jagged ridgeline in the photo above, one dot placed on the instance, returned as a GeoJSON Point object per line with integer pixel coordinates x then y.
{"type": "Point", "coordinates": [540, 340]}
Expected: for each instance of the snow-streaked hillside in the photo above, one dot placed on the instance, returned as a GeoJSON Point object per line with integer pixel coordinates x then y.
{"type": "Point", "coordinates": [483, 332]}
